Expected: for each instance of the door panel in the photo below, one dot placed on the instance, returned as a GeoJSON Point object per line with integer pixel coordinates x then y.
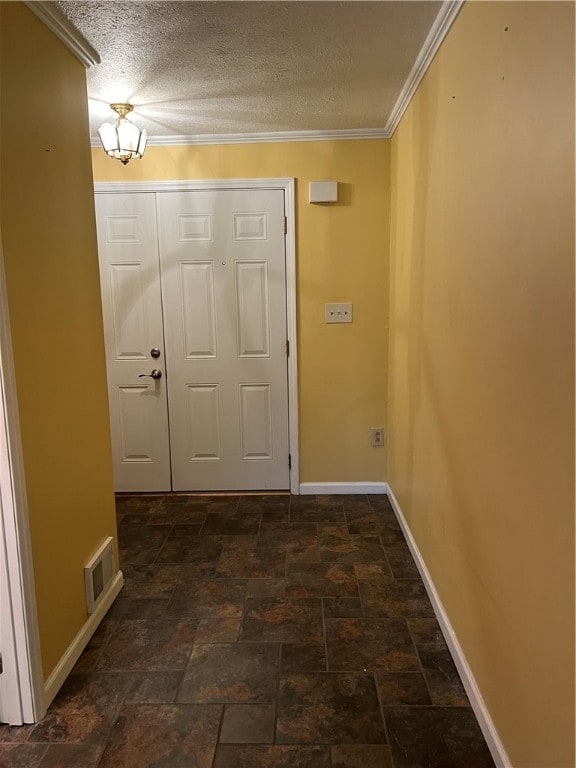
{"type": "Point", "coordinates": [137, 434]}
{"type": "Point", "coordinates": [199, 320]}
{"type": "Point", "coordinates": [202, 427]}
{"type": "Point", "coordinates": [224, 291]}
{"type": "Point", "coordinates": [128, 328]}
{"type": "Point", "coordinates": [256, 421]}
{"type": "Point", "coordinates": [132, 309]}
{"type": "Point", "coordinates": [252, 309]}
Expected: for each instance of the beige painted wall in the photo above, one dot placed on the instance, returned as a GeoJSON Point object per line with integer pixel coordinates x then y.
{"type": "Point", "coordinates": [481, 446]}
{"type": "Point", "coordinates": [49, 244]}
{"type": "Point", "coordinates": [342, 255]}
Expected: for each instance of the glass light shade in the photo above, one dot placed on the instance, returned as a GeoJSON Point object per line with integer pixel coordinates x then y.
{"type": "Point", "coordinates": [122, 140]}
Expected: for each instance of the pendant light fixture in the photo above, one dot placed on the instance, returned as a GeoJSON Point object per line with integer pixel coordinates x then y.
{"type": "Point", "coordinates": [122, 139]}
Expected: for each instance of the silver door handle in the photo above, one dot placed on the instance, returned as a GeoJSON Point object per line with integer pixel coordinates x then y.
{"type": "Point", "coordinates": [156, 374]}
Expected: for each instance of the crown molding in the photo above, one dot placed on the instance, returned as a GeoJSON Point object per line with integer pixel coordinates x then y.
{"type": "Point", "coordinates": [434, 39]}
{"type": "Point", "coordinates": [263, 138]}
{"type": "Point", "coordinates": [65, 32]}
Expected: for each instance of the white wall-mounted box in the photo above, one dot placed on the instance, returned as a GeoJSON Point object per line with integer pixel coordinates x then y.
{"type": "Point", "coordinates": [323, 191]}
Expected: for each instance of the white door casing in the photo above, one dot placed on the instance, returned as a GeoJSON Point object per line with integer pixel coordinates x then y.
{"type": "Point", "coordinates": [250, 277]}
{"type": "Point", "coordinates": [22, 697]}
{"type": "Point", "coordinates": [223, 269]}
{"type": "Point", "coordinates": [132, 310]}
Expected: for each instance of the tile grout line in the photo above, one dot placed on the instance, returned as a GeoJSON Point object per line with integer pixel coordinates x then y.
{"type": "Point", "coordinates": [276, 698]}
{"type": "Point", "coordinates": [384, 723]}
{"type": "Point", "coordinates": [325, 635]}
{"type": "Point", "coordinates": [217, 743]}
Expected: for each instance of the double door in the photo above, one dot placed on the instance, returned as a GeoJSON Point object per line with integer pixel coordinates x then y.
{"type": "Point", "coordinates": [194, 304]}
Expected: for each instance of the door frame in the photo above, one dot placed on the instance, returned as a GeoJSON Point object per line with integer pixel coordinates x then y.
{"type": "Point", "coordinates": [23, 697]}
{"type": "Point", "coordinates": [287, 185]}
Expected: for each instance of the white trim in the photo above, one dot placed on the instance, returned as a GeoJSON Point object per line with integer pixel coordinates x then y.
{"type": "Point", "coordinates": [262, 138]}
{"type": "Point", "coordinates": [22, 656]}
{"type": "Point", "coordinates": [434, 39]}
{"type": "Point", "coordinates": [64, 31]}
{"type": "Point", "coordinates": [187, 185]}
{"type": "Point", "coordinates": [291, 330]}
{"type": "Point", "coordinates": [287, 185]}
{"type": "Point", "coordinates": [74, 650]}
{"type": "Point", "coordinates": [485, 721]}
{"type": "Point", "coordinates": [340, 488]}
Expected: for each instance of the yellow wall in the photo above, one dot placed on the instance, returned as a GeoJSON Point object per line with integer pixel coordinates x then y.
{"type": "Point", "coordinates": [481, 445]}
{"type": "Point", "coordinates": [49, 243]}
{"type": "Point", "coordinates": [342, 255]}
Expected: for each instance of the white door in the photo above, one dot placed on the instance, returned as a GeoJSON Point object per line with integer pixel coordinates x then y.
{"type": "Point", "coordinates": [132, 308]}
{"type": "Point", "coordinates": [222, 312]}
{"type": "Point", "coordinates": [222, 255]}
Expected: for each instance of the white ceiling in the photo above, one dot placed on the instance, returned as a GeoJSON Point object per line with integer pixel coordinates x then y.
{"type": "Point", "coordinates": [200, 69]}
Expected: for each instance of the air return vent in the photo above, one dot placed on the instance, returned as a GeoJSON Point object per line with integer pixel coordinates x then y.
{"type": "Point", "coordinates": [98, 574]}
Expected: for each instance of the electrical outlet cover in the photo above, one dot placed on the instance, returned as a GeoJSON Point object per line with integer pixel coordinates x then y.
{"type": "Point", "coordinates": [338, 313]}
{"type": "Point", "coordinates": [377, 437]}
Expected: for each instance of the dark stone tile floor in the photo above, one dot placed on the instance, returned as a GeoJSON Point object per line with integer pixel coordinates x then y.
{"type": "Point", "coordinates": [260, 632]}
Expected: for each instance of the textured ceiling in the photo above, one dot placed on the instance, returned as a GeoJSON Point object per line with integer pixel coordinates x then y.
{"type": "Point", "coordinates": [197, 68]}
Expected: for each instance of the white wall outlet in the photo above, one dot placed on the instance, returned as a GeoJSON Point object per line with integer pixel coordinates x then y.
{"type": "Point", "coordinates": [338, 313]}
{"type": "Point", "coordinates": [377, 437]}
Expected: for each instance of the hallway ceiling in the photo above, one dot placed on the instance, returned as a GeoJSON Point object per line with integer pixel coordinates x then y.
{"type": "Point", "coordinates": [213, 68]}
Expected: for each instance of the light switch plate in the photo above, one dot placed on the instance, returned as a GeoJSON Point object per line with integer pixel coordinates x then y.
{"type": "Point", "coordinates": [338, 313]}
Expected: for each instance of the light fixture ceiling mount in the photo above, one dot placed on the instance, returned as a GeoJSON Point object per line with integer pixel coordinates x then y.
{"type": "Point", "coordinates": [122, 139]}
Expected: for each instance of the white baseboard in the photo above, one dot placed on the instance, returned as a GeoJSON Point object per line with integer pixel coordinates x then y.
{"type": "Point", "coordinates": [478, 704]}
{"type": "Point", "coordinates": [339, 488]}
{"type": "Point", "coordinates": [74, 650]}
